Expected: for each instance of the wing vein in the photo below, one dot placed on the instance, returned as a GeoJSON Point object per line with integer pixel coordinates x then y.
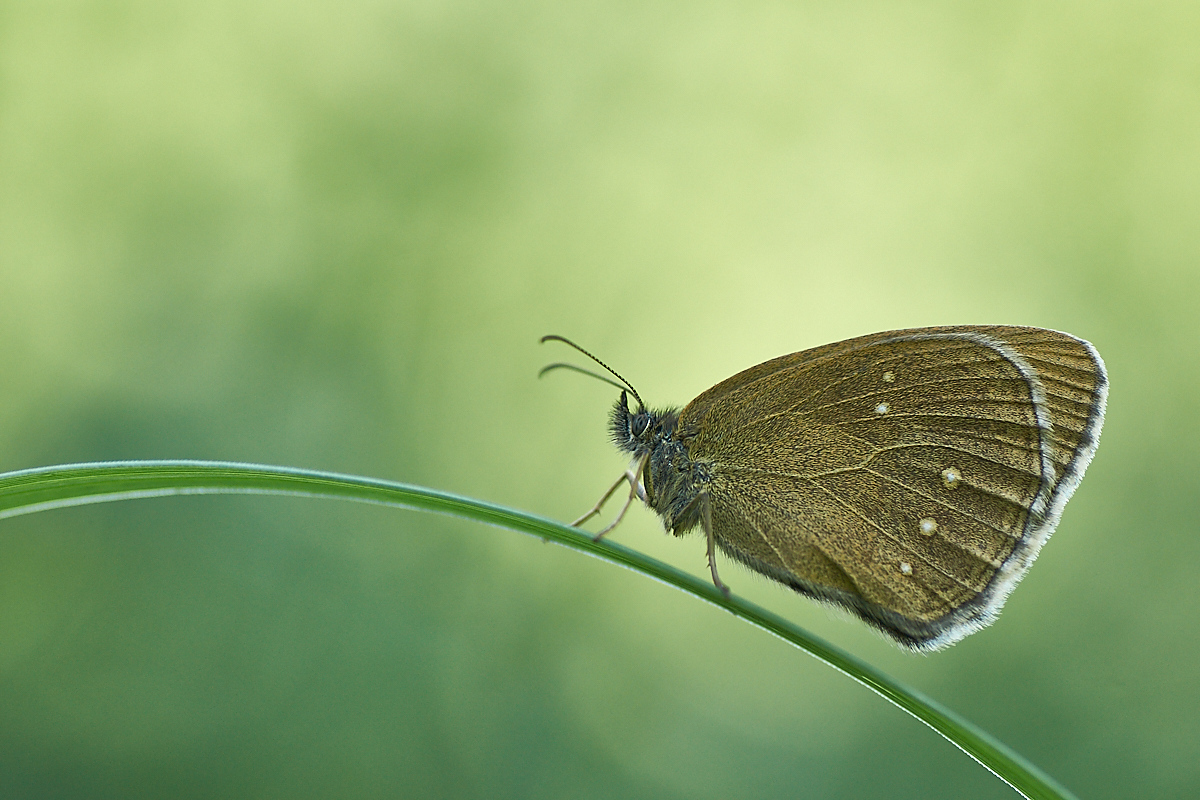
{"type": "Point", "coordinates": [902, 544]}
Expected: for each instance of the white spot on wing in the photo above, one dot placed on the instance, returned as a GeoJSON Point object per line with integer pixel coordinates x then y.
{"type": "Point", "coordinates": [928, 526]}
{"type": "Point", "coordinates": [951, 477]}
{"type": "Point", "coordinates": [882, 408]}
{"type": "Point", "coordinates": [905, 568]}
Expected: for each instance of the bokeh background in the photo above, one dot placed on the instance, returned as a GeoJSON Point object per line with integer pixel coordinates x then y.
{"type": "Point", "coordinates": [328, 235]}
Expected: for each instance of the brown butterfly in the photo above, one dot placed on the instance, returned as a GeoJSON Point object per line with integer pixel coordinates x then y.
{"type": "Point", "coordinates": [909, 477]}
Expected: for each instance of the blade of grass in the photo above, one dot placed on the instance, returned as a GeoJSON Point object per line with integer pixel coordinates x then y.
{"type": "Point", "coordinates": [32, 490]}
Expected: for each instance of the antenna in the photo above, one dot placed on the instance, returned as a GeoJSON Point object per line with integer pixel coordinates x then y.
{"type": "Point", "coordinates": [624, 384]}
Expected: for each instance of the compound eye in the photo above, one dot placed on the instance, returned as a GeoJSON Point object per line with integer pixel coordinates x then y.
{"type": "Point", "coordinates": [639, 424]}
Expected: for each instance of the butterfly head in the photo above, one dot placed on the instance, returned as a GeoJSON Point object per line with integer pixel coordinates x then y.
{"type": "Point", "coordinates": [641, 431]}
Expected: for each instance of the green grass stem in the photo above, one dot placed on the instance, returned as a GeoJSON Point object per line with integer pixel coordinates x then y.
{"type": "Point", "coordinates": [31, 490]}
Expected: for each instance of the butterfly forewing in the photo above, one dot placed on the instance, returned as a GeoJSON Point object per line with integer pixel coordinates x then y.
{"type": "Point", "coordinates": [910, 476]}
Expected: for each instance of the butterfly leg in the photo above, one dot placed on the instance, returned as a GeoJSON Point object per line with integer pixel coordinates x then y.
{"type": "Point", "coordinates": [633, 476]}
{"type": "Point", "coordinates": [600, 503]}
{"type": "Point", "coordinates": [706, 522]}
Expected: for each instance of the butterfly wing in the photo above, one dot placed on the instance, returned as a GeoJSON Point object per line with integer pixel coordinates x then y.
{"type": "Point", "coordinates": [909, 476]}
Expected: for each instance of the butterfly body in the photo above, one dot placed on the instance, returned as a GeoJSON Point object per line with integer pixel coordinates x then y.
{"type": "Point", "coordinates": [673, 482]}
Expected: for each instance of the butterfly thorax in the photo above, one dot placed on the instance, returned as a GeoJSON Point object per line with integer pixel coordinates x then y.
{"type": "Point", "coordinates": [673, 481]}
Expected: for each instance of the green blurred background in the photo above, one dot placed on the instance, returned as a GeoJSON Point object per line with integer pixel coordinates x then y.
{"type": "Point", "coordinates": [328, 235]}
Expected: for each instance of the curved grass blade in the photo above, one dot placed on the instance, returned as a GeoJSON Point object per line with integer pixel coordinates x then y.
{"type": "Point", "coordinates": [31, 490]}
